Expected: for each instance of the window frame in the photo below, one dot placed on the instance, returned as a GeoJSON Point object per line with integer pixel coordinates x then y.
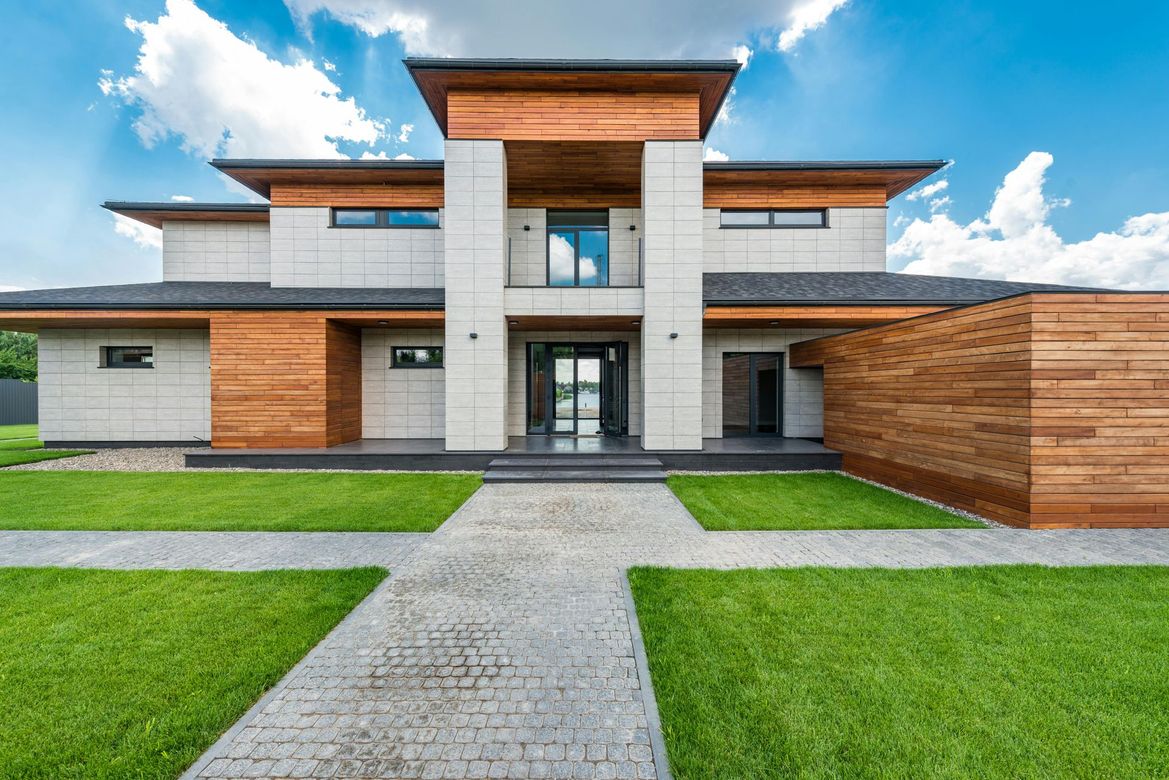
{"type": "Point", "coordinates": [771, 219]}
{"type": "Point", "coordinates": [550, 227]}
{"type": "Point", "coordinates": [107, 352]}
{"type": "Point", "coordinates": [382, 219]}
{"type": "Point", "coordinates": [394, 357]}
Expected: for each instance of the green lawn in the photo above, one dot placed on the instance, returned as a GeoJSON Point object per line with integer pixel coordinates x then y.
{"type": "Point", "coordinates": [997, 672]}
{"type": "Point", "coordinates": [803, 502]}
{"type": "Point", "coordinates": [109, 674]}
{"type": "Point", "coordinates": [227, 501]}
{"type": "Point", "coordinates": [18, 444]}
{"type": "Point", "coordinates": [18, 431]}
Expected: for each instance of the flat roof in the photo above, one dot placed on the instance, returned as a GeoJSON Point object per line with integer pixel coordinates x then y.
{"type": "Point", "coordinates": [154, 214]}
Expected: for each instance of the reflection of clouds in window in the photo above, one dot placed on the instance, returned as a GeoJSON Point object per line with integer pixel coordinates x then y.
{"type": "Point", "coordinates": [588, 270]}
{"type": "Point", "coordinates": [588, 371]}
{"type": "Point", "coordinates": [560, 259]}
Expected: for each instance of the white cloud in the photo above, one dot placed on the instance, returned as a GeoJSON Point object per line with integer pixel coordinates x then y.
{"type": "Point", "coordinates": [805, 17]}
{"type": "Point", "coordinates": [371, 156]}
{"type": "Point", "coordinates": [404, 131]}
{"type": "Point", "coordinates": [726, 112]}
{"type": "Point", "coordinates": [144, 236]}
{"type": "Point", "coordinates": [939, 204]}
{"type": "Point", "coordinates": [743, 54]}
{"type": "Point", "coordinates": [403, 156]}
{"type": "Point", "coordinates": [1014, 241]}
{"type": "Point", "coordinates": [714, 155]}
{"type": "Point", "coordinates": [220, 95]}
{"type": "Point", "coordinates": [928, 191]}
{"type": "Point", "coordinates": [328, 66]}
{"type": "Point", "coordinates": [182, 198]}
{"type": "Point", "coordinates": [468, 28]}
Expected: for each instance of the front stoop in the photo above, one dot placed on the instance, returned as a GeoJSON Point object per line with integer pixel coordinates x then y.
{"type": "Point", "coordinates": [568, 468]}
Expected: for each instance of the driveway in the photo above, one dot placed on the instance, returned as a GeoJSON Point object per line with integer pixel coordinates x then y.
{"type": "Point", "coordinates": [502, 645]}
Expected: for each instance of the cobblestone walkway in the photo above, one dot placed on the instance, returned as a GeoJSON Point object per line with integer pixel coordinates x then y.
{"type": "Point", "coordinates": [501, 645]}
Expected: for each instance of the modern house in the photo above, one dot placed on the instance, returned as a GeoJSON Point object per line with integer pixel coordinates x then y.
{"type": "Point", "coordinates": [573, 271]}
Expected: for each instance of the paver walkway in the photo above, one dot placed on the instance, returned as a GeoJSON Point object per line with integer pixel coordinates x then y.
{"type": "Point", "coordinates": [501, 646]}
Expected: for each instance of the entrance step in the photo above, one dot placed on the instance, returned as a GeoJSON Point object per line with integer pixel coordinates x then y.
{"type": "Point", "coordinates": [553, 468]}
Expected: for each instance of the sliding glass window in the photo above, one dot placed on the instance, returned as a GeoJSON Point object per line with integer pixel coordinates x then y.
{"type": "Point", "coordinates": [578, 248]}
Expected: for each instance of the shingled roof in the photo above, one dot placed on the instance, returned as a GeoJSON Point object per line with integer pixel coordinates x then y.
{"type": "Point", "coordinates": [222, 295]}
{"type": "Point", "coordinates": [860, 287]}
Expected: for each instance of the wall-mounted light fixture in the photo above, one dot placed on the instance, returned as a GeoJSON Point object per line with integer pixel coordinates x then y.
{"type": "Point", "coordinates": [527, 228]}
{"type": "Point", "coordinates": [474, 335]}
{"type": "Point", "coordinates": [673, 335]}
{"type": "Point", "coordinates": [633, 227]}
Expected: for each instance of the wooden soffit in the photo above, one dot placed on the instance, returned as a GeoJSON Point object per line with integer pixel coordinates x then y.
{"type": "Point", "coordinates": [154, 214]}
{"type": "Point", "coordinates": [799, 187]}
{"type": "Point", "coordinates": [573, 174]}
{"type": "Point", "coordinates": [578, 323]}
{"type": "Point", "coordinates": [263, 176]}
{"type": "Point", "coordinates": [851, 316]}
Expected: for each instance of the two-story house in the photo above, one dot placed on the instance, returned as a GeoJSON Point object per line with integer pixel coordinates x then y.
{"type": "Point", "coordinates": [570, 270]}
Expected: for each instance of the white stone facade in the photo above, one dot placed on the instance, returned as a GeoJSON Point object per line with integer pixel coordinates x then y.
{"type": "Point", "coordinates": [215, 251]}
{"type": "Point", "coordinates": [475, 183]}
{"type": "Point", "coordinates": [308, 252]}
{"type": "Point", "coordinates": [853, 241]}
{"type": "Point", "coordinates": [80, 401]}
{"type": "Point", "coordinates": [400, 403]}
{"type": "Point", "coordinates": [671, 334]}
{"type": "Point", "coordinates": [803, 388]}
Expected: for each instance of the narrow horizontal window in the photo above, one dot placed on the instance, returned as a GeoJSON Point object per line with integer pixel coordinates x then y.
{"type": "Point", "coordinates": [385, 218]}
{"type": "Point", "coordinates": [416, 357]}
{"type": "Point", "coordinates": [774, 218]}
{"type": "Point", "coordinates": [127, 357]}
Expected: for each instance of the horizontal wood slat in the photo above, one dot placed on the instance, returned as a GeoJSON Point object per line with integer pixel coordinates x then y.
{"type": "Point", "coordinates": [809, 316]}
{"type": "Point", "coordinates": [749, 195]}
{"type": "Point", "coordinates": [1041, 410]}
{"type": "Point", "coordinates": [427, 195]}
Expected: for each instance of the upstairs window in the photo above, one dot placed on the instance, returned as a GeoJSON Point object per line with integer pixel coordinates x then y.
{"type": "Point", "coordinates": [127, 357]}
{"type": "Point", "coordinates": [774, 218]}
{"type": "Point", "coordinates": [385, 218]}
{"type": "Point", "coordinates": [578, 248]}
{"type": "Point", "coordinates": [416, 357]}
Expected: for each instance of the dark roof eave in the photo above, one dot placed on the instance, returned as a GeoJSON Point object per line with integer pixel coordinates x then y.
{"type": "Point", "coordinates": [849, 302]}
{"type": "Point", "coordinates": [221, 306]}
{"type": "Point", "coordinates": [181, 206]}
{"type": "Point", "coordinates": [568, 65]}
{"type": "Point", "coordinates": [825, 165]}
{"type": "Point", "coordinates": [292, 164]}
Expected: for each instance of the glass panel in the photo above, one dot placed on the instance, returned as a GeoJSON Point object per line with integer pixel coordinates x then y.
{"type": "Point", "coordinates": [129, 357]}
{"type": "Point", "coordinates": [410, 357]}
{"type": "Point", "coordinates": [564, 391]}
{"type": "Point", "coordinates": [561, 258]}
{"type": "Point", "coordinates": [588, 394]}
{"type": "Point", "coordinates": [767, 388]}
{"type": "Point", "coordinates": [736, 218]}
{"type": "Point", "coordinates": [537, 419]}
{"type": "Point", "coordinates": [594, 259]}
{"type": "Point", "coordinates": [354, 217]}
{"type": "Point", "coordinates": [736, 394]}
{"type": "Point", "coordinates": [798, 218]}
{"type": "Point", "coordinates": [577, 219]}
{"type": "Point", "coordinates": [423, 218]}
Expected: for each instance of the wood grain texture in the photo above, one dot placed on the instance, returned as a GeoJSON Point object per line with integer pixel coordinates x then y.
{"type": "Point", "coordinates": [809, 316]}
{"type": "Point", "coordinates": [573, 174]}
{"type": "Point", "coordinates": [566, 115]}
{"type": "Point", "coordinates": [806, 188]}
{"type": "Point", "coordinates": [1044, 410]}
{"type": "Point", "coordinates": [371, 195]}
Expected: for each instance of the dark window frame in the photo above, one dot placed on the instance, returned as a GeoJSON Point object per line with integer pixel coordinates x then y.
{"type": "Point", "coordinates": [382, 219]}
{"type": "Point", "coordinates": [551, 227]}
{"type": "Point", "coordinates": [106, 360]}
{"type": "Point", "coordinates": [771, 219]}
{"type": "Point", "coordinates": [394, 357]}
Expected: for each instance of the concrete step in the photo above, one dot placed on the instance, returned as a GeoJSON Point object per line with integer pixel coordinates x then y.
{"type": "Point", "coordinates": [610, 475]}
{"type": "Point", "coordinates": [575, 462]}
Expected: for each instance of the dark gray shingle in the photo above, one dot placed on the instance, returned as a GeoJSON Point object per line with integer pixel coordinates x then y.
{"type": "Point", "coordinates": [221, 295]}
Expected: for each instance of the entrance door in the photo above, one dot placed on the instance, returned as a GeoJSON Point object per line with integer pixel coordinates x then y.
{"type": "Point", "coordinates": [577, 389]}
{"type": "Point", "coordinates": [752, 394]}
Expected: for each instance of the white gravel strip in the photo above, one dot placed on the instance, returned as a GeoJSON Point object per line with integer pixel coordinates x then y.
{"type": "Point", "coordinates": [166, 459]}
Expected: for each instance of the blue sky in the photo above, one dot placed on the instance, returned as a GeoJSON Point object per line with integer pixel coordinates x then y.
{"type": "Point", "coordinates": [987, 85]}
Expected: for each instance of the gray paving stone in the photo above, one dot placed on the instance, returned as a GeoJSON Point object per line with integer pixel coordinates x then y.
{"type": "Point", "coordinates": [501, 645]}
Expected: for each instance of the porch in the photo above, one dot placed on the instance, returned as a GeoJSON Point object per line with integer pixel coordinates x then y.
{"type": "Point", "coordinates": [731, 454]}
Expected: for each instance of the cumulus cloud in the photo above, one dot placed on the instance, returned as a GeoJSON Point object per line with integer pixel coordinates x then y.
{"type": "Point", "coordinates": [144, 236]}
{"type": "Point", "coordinates": [466, 28]}
{"type": "Point", "coordinates": [939, 204]}
{"type": "Point", "coordinates": [182, 198]}
{"type": "Point", "coordinates": [928, 191]}
{"type": "Point", "coordinates": [404, 131]}
{"type": "Point", "coordinates": [743, 54]}
{"type": "Point", "coordinates": [1014, 241]}
{"type": "Point", "coordinates": [221, 96]}
{"type": "Point", "coordinates": [403, 156]}
{"type": "Point", "coordinates": [714, 155]}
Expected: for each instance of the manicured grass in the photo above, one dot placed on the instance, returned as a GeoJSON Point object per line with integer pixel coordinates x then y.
{"type": "Point", "coordinates": [18, 431]}
{"type": "Point", "coordinates": [135, 674]}
{"type": "Point", "coordinates": [132, 501]}
{"type": "Point", "coordinates": [1009, 671]}
{"type": "Point", "coordinates": [808, 501]}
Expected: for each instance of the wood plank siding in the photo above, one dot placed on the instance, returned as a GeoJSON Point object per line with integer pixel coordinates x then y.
{"type": "Point", "coordinates": [809, 316]}
{"type": "Point", "coordinates": [566, 115]}
{"type": "Point", "coordinates": [411, 195]}
{"type": "Point", "coordinates": [1039, 410]}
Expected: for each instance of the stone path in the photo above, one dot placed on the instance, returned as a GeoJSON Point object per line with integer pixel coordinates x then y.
{"type": "Point", "coordinates": [501, 646]}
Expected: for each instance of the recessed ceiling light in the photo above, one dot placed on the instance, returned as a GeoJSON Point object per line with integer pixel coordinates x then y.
{"type": "Point", "coordinates": [774, 323]}
{"type": "Point", "coordinates": [383, 322]}
{"type": "Point", "coordinates": [513, 322]}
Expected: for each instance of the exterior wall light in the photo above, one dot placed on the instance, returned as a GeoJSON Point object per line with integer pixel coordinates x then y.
{"type": "Point", "coordinates": [673, 335]}
{"type": "Point", "coordinates": [633, 227]}
{"type": "Point", "coordinates": [527, 228]}
{"type": "Point", "coordinates": [474, 335]}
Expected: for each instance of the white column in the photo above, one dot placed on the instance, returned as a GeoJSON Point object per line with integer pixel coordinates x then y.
{"type": "Point", "coordinates": [671, 198]}
{"type": "Point", "coordinates": [475, 182]}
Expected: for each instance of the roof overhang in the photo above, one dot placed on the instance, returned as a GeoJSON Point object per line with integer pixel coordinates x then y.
{"type": "Point", "coordinates": [259, 175]}
{"type": "Point", "coordinates": [32, 321]}
{"type": "Point", "coordinates": [710, 78]}
{"type": "Point", "coordinates": [154, 214]}
{"type": "Point", "coordinates": [895, 176]}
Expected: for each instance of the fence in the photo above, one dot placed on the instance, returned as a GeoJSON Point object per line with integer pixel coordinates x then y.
{"type": "Point", "coordinates": [18, 402]}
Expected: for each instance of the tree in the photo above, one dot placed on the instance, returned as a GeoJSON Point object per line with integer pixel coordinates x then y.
{"type": "Point", "coordinates": [18, 356]}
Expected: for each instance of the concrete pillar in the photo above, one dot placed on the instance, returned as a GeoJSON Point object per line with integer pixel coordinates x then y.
{"type": "Point", "coordinates": [475, 182]}
{"type": "Point", "coordinates": [671, 199]}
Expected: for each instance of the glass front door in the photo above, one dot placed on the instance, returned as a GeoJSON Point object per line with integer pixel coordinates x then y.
{"type": "Point", "coordinates": [577, 389]}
